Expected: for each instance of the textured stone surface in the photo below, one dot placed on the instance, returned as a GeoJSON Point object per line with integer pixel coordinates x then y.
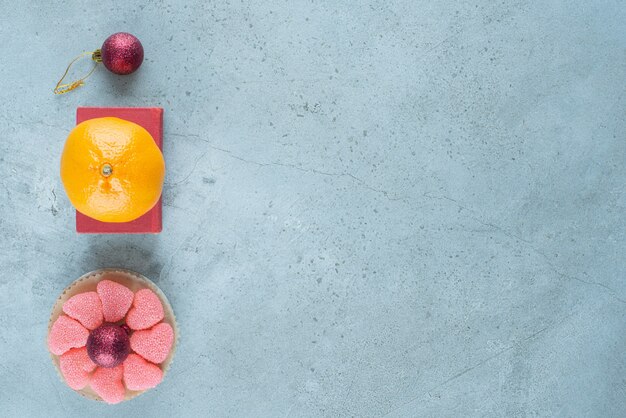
{"type": "Point", "coordinates": [410, 208]}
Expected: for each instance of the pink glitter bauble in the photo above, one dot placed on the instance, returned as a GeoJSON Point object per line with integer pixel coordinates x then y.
{"type": "Point", "coordinates": [122, 53]}
{"type": "Point", "coordinates": [108, 345]}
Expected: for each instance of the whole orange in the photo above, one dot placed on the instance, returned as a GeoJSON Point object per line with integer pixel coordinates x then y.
{"type": "Point", "coordinates": [112, 169]}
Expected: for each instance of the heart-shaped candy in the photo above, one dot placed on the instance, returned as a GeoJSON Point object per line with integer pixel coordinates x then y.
{"type": "Point", "coordinates": [107, 383]}
{"type": "Point", "coordinates": [66, 333]}
{"type": "Point", "coordinates": [140, 374]}
{"type": "Point", "coordinates": [146, 310]}
{"type": "Point", "coordinates": [76, 366]}
{"type": "Point", "coordinates": [153, 344]}
{"type": "Point", "coordinates": [116, 300]}
{"type": "Point", "coordinates": [85, 308]}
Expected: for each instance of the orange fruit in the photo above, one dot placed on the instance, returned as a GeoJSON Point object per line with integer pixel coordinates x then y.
{"type": "Point", "coordinates": [112, 169]}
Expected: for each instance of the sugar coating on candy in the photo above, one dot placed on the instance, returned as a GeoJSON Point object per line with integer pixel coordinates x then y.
{"type": "Point", "coordinates": [75, 367]}
{"type": "Point", "coordinates": [85, 308]}
{"type": "Point", "coordinates": [140, 374]}
{"type": "Point", "coordinates": [107, 383]}
{"type": "Point", "coordinates": [116, 300]}
{"type": "Point", "coordinates": [66, 333]}
{"type": "Point", "coordinates": [153, 344]}
{"type": "Point", "coordinates": [146, 310]}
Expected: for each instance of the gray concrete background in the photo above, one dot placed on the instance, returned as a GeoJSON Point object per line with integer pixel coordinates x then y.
{"type": "Point", "coordinates": [372, 208]}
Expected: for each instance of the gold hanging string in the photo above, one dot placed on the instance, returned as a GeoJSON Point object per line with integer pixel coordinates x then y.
{"type": "Point", "coordinates": [96, 56]}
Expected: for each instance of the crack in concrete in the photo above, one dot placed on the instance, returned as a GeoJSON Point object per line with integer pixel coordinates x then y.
{"type": "Point", "coordinates": [195, 165]}
{"type": "Point", "coordinates": [614, 294]}
{"type": "Point", "coordinates": [363, 183]}
{"type": "Point", "coordinates": [392, 197]}
{"type": "Point", "coordinates": [466, 370]}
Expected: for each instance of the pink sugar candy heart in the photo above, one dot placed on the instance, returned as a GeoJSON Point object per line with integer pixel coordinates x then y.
{"type": "Point", "coordinates": [140, 374]}
{"type": "Point", "coordinates": [153, 344]}
{"type": "Point", "coordinates": [107, 383]}
{"type": "Point", "coordinates": [116, 300]}
{"type": "Point", "coordinates": [146, 310]}
{"type": "Point", "coordinates": [66, 333]}
{"type": "Point", "coordinates": [85, 308]}
{"type": "Point", "coordinates": [75, 367]}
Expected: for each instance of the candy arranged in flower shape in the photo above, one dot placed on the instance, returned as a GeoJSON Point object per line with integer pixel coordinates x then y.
{"type": "Point", "coordinates": [112, 340]}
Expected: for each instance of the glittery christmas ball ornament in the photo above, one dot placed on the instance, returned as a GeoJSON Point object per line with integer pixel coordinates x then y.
{"type": "Point", "coordinates": [121, 53]}
{"type": "Point", "coordinates": [108, 345]}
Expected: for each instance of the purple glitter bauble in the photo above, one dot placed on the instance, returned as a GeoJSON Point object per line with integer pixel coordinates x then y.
{"type": "Point", "coordinates": [108, 345]}
{"type": "Point", "coordinates": [122, 53]}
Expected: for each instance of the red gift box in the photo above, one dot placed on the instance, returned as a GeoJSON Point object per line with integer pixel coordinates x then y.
{"type": "Point", "coordinates": [151, 118]}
